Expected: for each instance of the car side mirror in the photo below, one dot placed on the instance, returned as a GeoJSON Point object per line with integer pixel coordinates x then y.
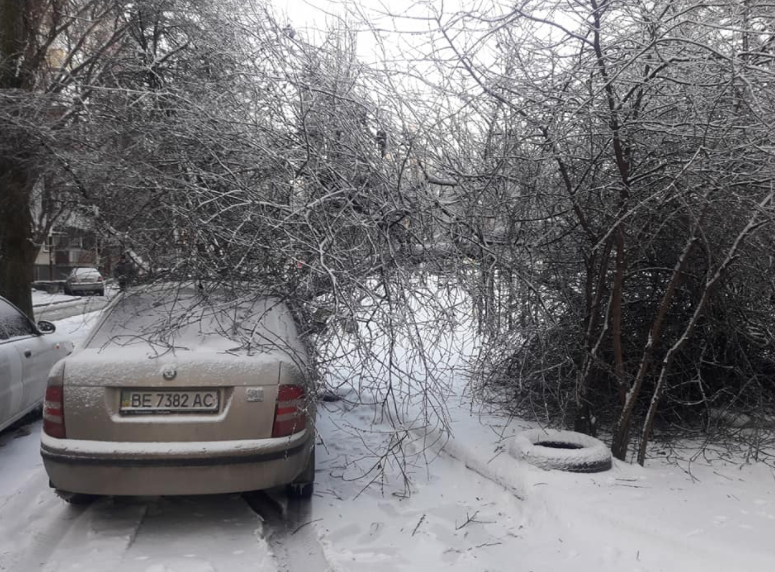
{"type": "Point", "coordinates": [46, 327]}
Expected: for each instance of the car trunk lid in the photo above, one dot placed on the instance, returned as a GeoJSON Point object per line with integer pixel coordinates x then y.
{"type": "Point", "coordinates": [121, 399]}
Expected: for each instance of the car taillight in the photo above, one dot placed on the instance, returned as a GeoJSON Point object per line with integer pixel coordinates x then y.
{"type": "Point", "coordinates": [290, 416]}
{"type": "Point", "coordinates": [99, 278]}
{"type": "Point", "coordinates": [53, 405]}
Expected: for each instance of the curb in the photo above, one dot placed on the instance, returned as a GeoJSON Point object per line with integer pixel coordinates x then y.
{"type": "Point", "coordinates": [55, 303]}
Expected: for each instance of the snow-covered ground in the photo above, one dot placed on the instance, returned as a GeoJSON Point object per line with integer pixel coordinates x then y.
{"type": "Point", "coordinates": [41, 298]}
{"type": "Point", "coordinates": [77, 327]}
{"type": "Point", "coordinates": [477, 508]}
{"type": "Point", "coordinates": [57, 307]}
{"type": "Point", "coordinates": [473, 508]}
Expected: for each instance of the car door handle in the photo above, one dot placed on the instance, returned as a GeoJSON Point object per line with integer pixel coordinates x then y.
{"type": "Point", "coordinates": [27, 353]}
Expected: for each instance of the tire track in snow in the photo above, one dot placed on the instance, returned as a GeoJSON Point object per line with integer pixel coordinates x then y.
{"type": "Point", "coordinates": [289, 532]}
{"type": "Point", "coordinates": [169, 534]}
{"type": "Point", "coordinates": [172, 534]}
{"type": "Point", "coordinates": [98, 539]}
{"type": "Point", "coordinates": [35, 524]}
{"type": "Point", "coordinates": [494, 469]}
{"type": "Point", "coordinates": [210, 533]}
{"type": "Point", "coordinates": [40, 531]}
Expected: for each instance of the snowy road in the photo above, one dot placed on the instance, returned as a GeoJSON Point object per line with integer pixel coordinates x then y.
{"type": "Point", "coordinates": [220, 533]}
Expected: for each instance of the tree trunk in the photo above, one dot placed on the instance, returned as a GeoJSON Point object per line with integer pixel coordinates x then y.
{"type": "Point", "coordinates": [710, 283]}
{"type": "Point", "coordinates": [621, 437]}
{"type": "Point", "coordinates": [616, 315]}
{"type": "Point", "coordinates": [583, 420]}
{"type": "Point", "coordinates": [17, 248]}
{"type": "Point", "coordinates": [12, 40]}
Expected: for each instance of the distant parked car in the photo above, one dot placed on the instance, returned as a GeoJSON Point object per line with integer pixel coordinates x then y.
{"type": "Point", "coordinates": [181, 391]}
{"type": "Point", "coordinates": [27, 353]}
{"type": "Point", "coordinates": [85, 281]}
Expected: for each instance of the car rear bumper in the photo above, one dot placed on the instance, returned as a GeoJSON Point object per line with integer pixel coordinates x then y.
{"type": "Point", "coordinates": [111, 468]}
{"type": "Point", "coordinates": [86, 286]}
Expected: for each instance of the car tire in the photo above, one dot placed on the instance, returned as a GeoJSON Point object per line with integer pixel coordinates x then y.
{"type": "Point", "coordinates": [303, 486]}
{"type": "Point", "coordinates": [101, 292]}
{"type": "Point", "coordinates": [562, 451]}
{"type": "Point", "coordinates": [75, 499]}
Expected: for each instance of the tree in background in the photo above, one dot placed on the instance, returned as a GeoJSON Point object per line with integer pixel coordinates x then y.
{"type": "Point", "coordinates": [52, 52]}
{"type": "Point", "coordinates": [633, 159]}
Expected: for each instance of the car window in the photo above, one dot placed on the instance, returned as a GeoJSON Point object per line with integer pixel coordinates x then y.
{"type": "Point", "coordinates": [184, 320]}
{"type": "Point", "coordinates": [81, 271]}
{"type": "Point", "coordinates": [13, 322]}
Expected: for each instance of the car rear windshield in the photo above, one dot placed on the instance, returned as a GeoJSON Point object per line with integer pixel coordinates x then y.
{"type": "Point", "coordinates": [81, 271]}
{"type": "Point", "coordinates": [185, 319]}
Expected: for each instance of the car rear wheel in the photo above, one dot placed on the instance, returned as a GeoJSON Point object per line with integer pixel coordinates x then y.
{"type": "Point", "coordinates": [76, 499]}
{"type": "Point", "coordinates": [304, 485]}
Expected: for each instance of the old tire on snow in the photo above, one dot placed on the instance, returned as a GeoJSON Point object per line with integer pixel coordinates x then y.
{"type": "Point", "coordinates": [561, 450]}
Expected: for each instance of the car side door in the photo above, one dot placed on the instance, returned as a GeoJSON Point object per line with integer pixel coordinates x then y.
{"type": "Point", "coordinates": [37, 354]}
{"type": "Point", "coordinates": [11, 385]}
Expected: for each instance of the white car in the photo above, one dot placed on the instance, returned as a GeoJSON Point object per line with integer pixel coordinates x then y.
{"type": "Point", "coordinates": [84, 281]}
{"type": "Point", "coordinates": [27, 353]}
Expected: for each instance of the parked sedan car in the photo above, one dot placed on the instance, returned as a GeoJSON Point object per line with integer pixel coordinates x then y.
{"type": "Point", "coordinates": [27, 353]}
{"type": "Point", "coordinates": [180, 392]}
{"type": "Point", "coordinates": [85, 281]}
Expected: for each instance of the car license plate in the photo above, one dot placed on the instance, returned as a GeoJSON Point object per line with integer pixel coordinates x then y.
{"type": "Point", "coordinates": [135, 402]}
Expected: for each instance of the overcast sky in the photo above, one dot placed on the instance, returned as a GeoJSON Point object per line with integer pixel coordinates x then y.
{"type": "Point", "coordinates": [398, 21]}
